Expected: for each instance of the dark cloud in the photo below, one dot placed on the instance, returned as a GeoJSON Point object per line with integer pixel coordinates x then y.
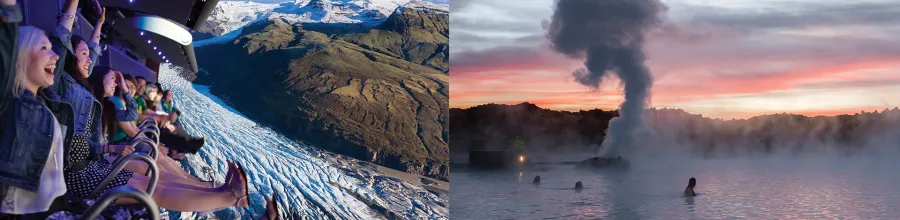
{"type": "Point", "coordinates": [487, 25]}
{"type": "Point", "coordinates": [456, 5]}
{"type": "Point", "coordinates": [460, 37]}
{"type": "Point", "coordinates": [471, 55]}
{"type": "Point", "coordinates": [496, 56]}
{"type": "Point", "coordinates": [809, 14]}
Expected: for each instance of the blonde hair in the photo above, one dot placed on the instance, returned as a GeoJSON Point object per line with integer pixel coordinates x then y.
{"type": "Point", "coordinates": [28, 42]}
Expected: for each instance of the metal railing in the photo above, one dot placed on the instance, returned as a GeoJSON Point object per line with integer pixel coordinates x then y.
{"type": "Point", "coordinates": [119, 192]}
{"type": "Point", "coordinates": [154, 175]}
{"type": "Point", "coordinates": [148, 127]}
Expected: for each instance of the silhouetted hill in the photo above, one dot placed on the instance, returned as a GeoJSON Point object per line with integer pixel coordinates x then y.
{"type": "Point", "coordinates": [495, 126]}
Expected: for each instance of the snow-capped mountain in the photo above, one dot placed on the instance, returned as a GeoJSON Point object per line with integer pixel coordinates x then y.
{"type": "Point", "coordinates": [344, 11]}
{"type": "Point", "coordinates": [233, 15]}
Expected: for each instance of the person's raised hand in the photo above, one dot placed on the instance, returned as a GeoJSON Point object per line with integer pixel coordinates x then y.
{"type": "Point", "coordinates": [120, 79]}
{"type": "Point", "coordinates": [99, 9]}
{"type": "Point", "coordinates": [102, 15]}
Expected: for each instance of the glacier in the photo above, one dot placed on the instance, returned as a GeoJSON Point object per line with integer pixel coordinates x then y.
{"type": "Point", "coordinates": [308, 185]}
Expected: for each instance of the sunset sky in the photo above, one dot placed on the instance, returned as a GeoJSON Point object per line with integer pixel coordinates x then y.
{"type": "Point", "coordinates": [720, 58]}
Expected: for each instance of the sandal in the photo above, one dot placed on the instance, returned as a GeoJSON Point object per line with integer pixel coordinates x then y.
{"type": "Point", "coordinates": [228, 175]}
{"type": "Point", "coordinates": [233, 190]}
{"type": "Point", "coordinates": [246, 187]}
{"type": "Point", "coordinates": [273, 213]}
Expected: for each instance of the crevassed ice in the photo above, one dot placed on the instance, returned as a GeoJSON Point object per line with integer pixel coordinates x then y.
{"type": "Point", "coordinates": [308, 187]}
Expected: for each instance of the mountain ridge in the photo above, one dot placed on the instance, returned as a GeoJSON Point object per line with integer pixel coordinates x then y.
{"type": "Point", "coordinates": [378, 95]}
{"type": "Point", "coordinates": [495, 126]}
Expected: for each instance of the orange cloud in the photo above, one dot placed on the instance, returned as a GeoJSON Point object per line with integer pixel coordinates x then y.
{"type": "Point", "coordinates": [551, 85]}
{"type": "Point", "coordinates": [714, 86]}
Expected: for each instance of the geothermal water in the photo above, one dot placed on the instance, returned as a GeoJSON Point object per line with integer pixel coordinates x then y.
{"type": "Point", "coordinates": [761, 188]}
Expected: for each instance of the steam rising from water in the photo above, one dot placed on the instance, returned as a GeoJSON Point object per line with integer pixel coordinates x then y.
{"type": "Point", "coordinates": [610, 33]}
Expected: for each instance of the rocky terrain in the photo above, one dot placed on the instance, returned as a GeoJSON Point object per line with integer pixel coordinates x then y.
{"type": "Point", "coordinates": [495, 127]}
{"type": "Point", "coordinates": [378, 94]}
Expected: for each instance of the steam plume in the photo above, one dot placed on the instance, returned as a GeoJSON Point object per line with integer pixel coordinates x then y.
{"type": "Point", "coordinates": [610, 35]}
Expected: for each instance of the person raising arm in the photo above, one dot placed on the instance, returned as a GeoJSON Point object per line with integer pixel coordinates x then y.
{"type": "Point", "coordinates": [94, 43]}
{"type": "Point", "coordinates": [11, 16]}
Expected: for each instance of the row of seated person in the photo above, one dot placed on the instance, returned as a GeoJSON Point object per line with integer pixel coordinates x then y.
{"type": "Point", "coordinates": [58, 115]}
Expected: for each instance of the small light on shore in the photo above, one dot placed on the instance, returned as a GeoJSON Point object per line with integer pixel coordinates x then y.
{"type": "Point", "coordinates": [521, 158]}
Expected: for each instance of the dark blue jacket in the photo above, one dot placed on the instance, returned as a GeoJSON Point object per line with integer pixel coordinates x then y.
{"type": "Point", "coordinates": [81, 100]}
{"type": "Point", "coordinates": [26, 125]}
{"type": "Point", "coordinates": [28, 134]}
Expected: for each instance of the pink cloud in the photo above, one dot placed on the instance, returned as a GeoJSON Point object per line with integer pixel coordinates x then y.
{"type": "Point", "coordinates": [550, 85]}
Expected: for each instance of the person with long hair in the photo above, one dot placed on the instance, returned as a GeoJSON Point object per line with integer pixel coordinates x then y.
{"type": "Point", "coordinates": [126, 112]}
{"type": "Point", "coordinates": [32, 129]}
{"type": "Point", "coordinates": [164, 106]}
{"type": "Point", "coordinates": [31, 136]}
{"type": "Point", "coordinates": [121, 107]}
{"type": "Point", "coordinates": [84, 165]}
{"type": "Point", "coordinates": [175, 138]}
{"type": "Point", "coordinates": [148, 105]}
{"type": "Point", "coordinates": [76, 59]}
{"type": "Point", "coordinates": [168, 105]}
{"type": "Point", "coordinates": [173, 191]}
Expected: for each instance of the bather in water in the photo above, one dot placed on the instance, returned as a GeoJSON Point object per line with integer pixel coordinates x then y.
{"type": "Point", "coordinates": [689, 191]}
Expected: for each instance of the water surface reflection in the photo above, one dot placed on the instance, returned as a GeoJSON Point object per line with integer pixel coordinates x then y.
{"type": "Point", "coordinates": [727, 189]}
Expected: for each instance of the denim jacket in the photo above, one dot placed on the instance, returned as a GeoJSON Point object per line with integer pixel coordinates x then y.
{"type": "Point", "coordinates": [28, 134]}
{"type": "Point", "coordinates": [26, 125]}
{"type": "Point", "coordinates": [81, 100]}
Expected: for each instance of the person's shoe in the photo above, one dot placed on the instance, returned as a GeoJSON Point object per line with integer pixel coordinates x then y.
{"type": "Point", "coordinates": [240, 188]}
{"type": "Point", "coordinates": [199, 141]}
{"type": "Point", "coordinates": [232, 169]}
{"type": "Point", "coordinates": [272, 212]}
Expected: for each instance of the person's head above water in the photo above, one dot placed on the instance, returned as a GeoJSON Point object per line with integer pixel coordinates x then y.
{"type": "Point", "coordinates": [692, 182]}
{"type": "Point", "coordinates": [578, 185]}
{"type": "Point", "coordinates": [537, 179]}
